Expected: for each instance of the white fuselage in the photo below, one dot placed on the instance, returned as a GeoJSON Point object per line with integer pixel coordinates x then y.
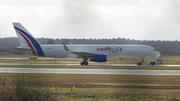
{"type": "Point", "coordinates": [142, 51]}
{"type": "Point", "coordinates": [96, 53]}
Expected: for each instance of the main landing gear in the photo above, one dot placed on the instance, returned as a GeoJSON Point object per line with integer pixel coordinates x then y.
{"type": "Point", "coordinates": [84, 61]}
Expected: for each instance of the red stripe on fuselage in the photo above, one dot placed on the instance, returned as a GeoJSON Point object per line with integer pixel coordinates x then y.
{"type": "Point", "coordinates": [29, 44]}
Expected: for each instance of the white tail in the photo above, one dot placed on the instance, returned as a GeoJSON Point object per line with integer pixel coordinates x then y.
{"type": "Point", "coordinates": [21, 39]}
{"type": "Point", "coordinates": [27, 40]}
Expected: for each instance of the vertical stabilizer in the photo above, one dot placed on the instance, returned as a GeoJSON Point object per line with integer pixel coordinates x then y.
{"type": "Point", "coordinates": [21, 39]}
{"type": "Point", "coordinates": [27, 40]}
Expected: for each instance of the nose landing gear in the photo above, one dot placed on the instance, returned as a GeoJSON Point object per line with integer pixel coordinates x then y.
{"type": "Point", "coordinates": [157, 62]}
{"type": "Point", "coordinates": [140, 63]}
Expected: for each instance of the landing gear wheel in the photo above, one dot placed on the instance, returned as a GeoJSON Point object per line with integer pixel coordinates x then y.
{"type": "Point", "coordinates": [84, 63]}
{"type": "Point", "coordinates": [139, 63]}
{"type": "Point", "coordinates": [152, 63]}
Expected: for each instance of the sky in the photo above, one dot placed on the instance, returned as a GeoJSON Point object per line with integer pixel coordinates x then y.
{"type": "Point", "coordinates": [96, 19]}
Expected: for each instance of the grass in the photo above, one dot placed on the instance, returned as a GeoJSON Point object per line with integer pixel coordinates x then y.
{"type": "Point", "coordinates": [94, 81]}
{"type": "Point", "coordinates": [89, 87]}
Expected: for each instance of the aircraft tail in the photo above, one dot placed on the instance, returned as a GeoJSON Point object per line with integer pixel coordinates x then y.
{"type": "Point", "coordinates": [27, 40]}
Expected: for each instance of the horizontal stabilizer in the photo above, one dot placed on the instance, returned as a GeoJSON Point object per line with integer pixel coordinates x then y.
{"type": "Point", "coordinates": [21, 49]}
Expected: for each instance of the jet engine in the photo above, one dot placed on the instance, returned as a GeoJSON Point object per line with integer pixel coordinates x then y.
{"type": "Point", "coordinates": [99, 58]}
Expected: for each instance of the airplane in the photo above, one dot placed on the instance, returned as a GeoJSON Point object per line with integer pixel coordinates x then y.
{"type": "Point", "coordinates": [96, 53]}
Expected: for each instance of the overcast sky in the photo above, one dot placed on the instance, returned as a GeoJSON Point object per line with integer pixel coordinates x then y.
{"type": "Point", "coordinates": [133, 19]}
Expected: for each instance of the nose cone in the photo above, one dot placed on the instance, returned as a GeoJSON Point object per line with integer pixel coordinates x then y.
{"type": "Point", "coordinates": [157, 54]}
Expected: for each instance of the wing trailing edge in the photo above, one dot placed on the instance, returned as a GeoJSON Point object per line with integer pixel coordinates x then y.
{"type": "Point", "coordinates": [80, 54]}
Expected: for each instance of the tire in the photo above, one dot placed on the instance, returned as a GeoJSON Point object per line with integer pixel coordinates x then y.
{"type": "Point", "coordinates": [139, 63]}
{"type": "Point", "coordinates": [82, 63]}
{"type": "Point", "coordinates": [85, 63]}
{"type": "Point", "coordinates": [152, 63]}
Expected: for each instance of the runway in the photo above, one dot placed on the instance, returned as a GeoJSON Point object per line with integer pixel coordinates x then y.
{"type": "Point", "coordinates": [90, 71]}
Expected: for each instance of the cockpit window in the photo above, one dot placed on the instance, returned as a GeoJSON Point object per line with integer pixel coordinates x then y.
{"type": "Point", "coordinates": [153, 50]}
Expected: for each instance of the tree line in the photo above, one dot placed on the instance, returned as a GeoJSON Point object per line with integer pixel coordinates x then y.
{"type": "Point", "coordinates": [164, 47]}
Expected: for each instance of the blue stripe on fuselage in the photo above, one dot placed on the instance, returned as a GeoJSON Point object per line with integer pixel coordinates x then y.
{"type": "Point", "coordinates": [34, 42]}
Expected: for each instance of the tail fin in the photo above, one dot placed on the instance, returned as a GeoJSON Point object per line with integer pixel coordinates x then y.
{"type": "Point", "coordinates": [26, 39]}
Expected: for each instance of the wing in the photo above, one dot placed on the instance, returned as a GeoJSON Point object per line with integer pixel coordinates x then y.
{"type": "Point", "coordinates": [80, 54]}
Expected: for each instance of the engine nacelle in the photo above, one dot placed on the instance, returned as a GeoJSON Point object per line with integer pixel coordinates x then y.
{"type": "Point", "coordinates": [99, 58]}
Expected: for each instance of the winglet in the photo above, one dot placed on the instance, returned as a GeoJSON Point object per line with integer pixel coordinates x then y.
{"type": "Point", "coordinates": [65, 47]}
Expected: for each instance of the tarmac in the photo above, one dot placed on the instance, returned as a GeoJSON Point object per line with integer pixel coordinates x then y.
{"type": "Point", "coordinates": [90, 71]}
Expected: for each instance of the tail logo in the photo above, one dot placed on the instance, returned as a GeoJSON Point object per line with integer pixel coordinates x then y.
{"type": "Point", "coordinates": [32, 43]}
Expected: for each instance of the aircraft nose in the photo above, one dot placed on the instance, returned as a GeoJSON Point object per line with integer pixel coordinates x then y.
{"type": "Point", "coordinates": [158, 53]}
